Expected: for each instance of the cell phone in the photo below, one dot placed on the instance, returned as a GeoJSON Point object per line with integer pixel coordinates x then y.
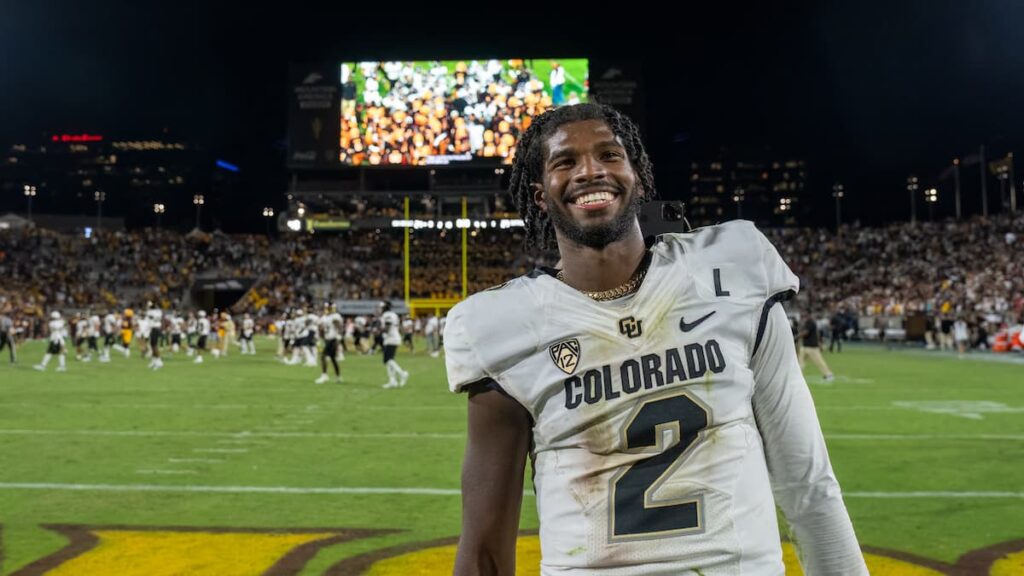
{"type": "Point", "coordinates": [660, 217]}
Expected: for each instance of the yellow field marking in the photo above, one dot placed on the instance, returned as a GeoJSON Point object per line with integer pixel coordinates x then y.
{"type": "Point", "coordinates": [1009, 565]}
{"type": "Point", "coordinates": [152, 553]}
{"type": "Point", "coordinates": [439, 560]}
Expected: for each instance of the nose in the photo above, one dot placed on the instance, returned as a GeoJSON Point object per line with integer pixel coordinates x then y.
{"type": "Point", "coordinates": [588, 170]}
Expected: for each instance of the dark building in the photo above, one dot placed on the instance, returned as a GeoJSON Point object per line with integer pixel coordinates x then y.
{"type": "Point", "coordinates": [83, 174]}
{"type": "Point", "coordinates": [768, 192]}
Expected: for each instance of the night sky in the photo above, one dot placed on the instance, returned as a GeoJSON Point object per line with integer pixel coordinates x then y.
{"type": "Point", "coordinates": [866, 93]}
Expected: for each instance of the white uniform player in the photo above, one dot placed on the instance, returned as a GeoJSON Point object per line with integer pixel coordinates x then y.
{"type": "Point", "coordinates": [667, 423]}
{"type": "Point", "coordinates": [432, 330]}
{"type": "Point", "coordinates": [176, 327]}
{"type": "Point", "coordinates": [389, 325]}
{"type": "Point", "coordinates": [110, 323]}
{"type": "Point", "coordinates": [203, 334]}
{"type": "Point", "coordinates": [56, 343]}
{"type": "Point", "coordinates": [332, 325]}
{"type": "Point", "coordinates": [248, 331]}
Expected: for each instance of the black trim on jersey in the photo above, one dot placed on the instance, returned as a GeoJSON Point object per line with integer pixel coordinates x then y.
{"type": "Point", "coordinates": [542, 271]}
{"type": "Point", "coordinates": [763, 323]}
{"type": "Point", "coordinates": [539, 271]}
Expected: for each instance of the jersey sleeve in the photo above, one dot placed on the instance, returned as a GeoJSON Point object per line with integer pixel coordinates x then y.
{"type": "Point", "coordinates": [464, 365]}
{"type": "Point", "coordinates": [802, 480]}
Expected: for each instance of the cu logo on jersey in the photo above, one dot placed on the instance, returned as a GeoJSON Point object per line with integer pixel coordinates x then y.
{"type": "Point", "coordinates": [566, 355]}
{"type": "Point", "coordinates": [631, 327]}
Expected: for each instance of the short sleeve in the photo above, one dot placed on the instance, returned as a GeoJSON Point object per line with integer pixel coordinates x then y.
{"type": "Point", "coordinates": [463, 364]}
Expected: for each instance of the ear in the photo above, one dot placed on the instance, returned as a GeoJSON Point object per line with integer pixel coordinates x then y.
{"type": "Point", "coordinates": [538, 196]}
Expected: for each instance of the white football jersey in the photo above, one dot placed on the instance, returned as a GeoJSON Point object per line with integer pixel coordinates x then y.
{"type": "Point", "coordinates": [204, 326]}
{"type": "Point", "coordinates": [247, 326]}
{"type": "Point", "coordinates": [155, 317]}
{"type": "Point", "coordinates": [332, 326]}
{"type": "Point", "coordinates": [647, 455]}
{"type": "Point", "coordinates": [389, 323]}
{"type": "Point", "coordinates": [109, 324]}
{"type": "Point", "coordinates": [58, 331]}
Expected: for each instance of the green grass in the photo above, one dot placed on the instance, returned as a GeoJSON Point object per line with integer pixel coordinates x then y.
{"type": "Point", "coordinates": [57, 428]}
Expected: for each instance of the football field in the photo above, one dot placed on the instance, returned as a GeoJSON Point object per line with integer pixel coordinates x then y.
{"type": "Point", "coordinates": [243, 465]}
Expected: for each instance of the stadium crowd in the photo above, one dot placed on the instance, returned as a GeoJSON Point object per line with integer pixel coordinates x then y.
{"type": "Point", "coordinates": [946, 270]}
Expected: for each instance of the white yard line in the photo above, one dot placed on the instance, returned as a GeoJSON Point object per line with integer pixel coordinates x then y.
{"type": "Point", "coordinates": [245, 434]}
{"type": "Point", "coordinates": [195, 460]}
{"type": "Point", "coordinates": [221, 450]}
{"type": "Point", "coordinates": [283, 433]}
{"type": "Point", "coordinates": [305, 490]}
{"type": "Point", "coordinates": [168, 472]}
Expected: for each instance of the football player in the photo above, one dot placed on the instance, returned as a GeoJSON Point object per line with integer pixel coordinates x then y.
{"type": "Point", "coordinates": [391, 339]}
{"type": "Point", "coordinates": [655, 385]}
{"type": "Point", "coordinates": [58, 333]}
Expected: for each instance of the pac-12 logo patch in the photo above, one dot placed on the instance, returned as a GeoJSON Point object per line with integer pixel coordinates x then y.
{"type": "Point", "coordinates": [566, 355]}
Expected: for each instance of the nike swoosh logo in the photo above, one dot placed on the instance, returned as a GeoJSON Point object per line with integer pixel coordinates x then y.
{"type": "Point", "coordinates": [687, 327]}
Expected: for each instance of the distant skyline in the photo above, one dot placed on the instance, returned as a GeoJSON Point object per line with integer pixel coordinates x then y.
{"type": "Point", "coordinates": [867, 94]}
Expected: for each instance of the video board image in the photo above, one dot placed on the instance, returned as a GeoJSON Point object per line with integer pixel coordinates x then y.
{"type": "Point", "coordinates": [446, 112]}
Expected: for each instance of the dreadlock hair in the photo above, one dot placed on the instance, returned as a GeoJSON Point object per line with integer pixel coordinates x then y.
{"type": "Point", "coordinates": [528, 166]}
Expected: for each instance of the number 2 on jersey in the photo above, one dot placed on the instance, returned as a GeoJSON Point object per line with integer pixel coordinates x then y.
{"type": "Point", "coordinates": [634, 515]}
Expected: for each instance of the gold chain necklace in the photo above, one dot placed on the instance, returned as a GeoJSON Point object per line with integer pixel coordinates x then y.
{"type": "Point", "coordinates": [625, 289]}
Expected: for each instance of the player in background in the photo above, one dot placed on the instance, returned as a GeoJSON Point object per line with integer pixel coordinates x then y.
{"type": "Point", "coordinates": [7, 333]}
{"type": "Point", "coordinates": [110, 339]}
{"type": "Point", "coordinates": [80, 324]}
{"type": "Point", "coordinates": [92, 336]}
{"type": "Point", "coordinates": [230, 332]}
{"type": "Point", "coordinates": [191, 333]}
{"type": "Point", "coordinates": [391, 339]}
{"type": "Point", "coordinates": [127, 331]}
{"type": "Point", "coordinates": [331, 324]}
{"type": "Point", "coordinates": [361, 333]}
{"type": "Point", "coordinates": [248, 331]}
{"type": "Point", "coordinates": [348, 340]}
{"type": "Point", "coordinates": [408, 327]}
{"type": "Point", "coordinates": [175, 326]}
{"type": "Point", "coordinates": [155, 322]}
{"type": "Point", "coordinates": [961, 335]}
{"type": "Point", "coordinates": [203, 329]}
{"type": "Point", "coordinates": [432, 332]}
{"type": "Point", "coordinates": [57, 337]}
{"type": "Point", "coordinates": [310, 331]}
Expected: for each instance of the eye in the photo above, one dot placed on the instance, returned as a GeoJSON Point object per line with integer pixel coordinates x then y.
{"type": "Point", "coordinates": [611, 155]}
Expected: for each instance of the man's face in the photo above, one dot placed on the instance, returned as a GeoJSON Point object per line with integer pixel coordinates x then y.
{"type": "Point", "coordinates": [590, 190]}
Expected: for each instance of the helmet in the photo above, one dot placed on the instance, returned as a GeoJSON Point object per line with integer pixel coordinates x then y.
{"type": "Point", "coordinates": [202, 313]}
{"type": "Point", "coordinates": [55, 315]}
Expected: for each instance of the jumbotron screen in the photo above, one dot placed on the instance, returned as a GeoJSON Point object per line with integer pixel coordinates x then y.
{"type": "Point", "coordinates": [445, 112]}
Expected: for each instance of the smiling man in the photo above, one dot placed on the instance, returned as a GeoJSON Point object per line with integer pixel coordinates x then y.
{"type": "Point", "coordinates": [654, 387]}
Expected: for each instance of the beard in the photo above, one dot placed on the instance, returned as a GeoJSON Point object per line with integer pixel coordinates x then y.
{"type": "Point", "coordinates": [597, 236]}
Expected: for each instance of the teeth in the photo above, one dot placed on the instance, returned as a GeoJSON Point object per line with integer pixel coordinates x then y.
{"type": "Point", "coordinates": [593, 197]}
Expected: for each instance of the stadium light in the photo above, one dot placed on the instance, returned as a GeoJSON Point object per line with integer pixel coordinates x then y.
{"type": "Point", "coordinates": [198, 200]}
{"type": "Point", "coordinates": [30, 193]}
{"type": "Point", "coordinates": [295, 225]}
{"type": "Point", "coordinates": [931, 196]}
{"type": "Point", "coordinates": [159, 210]}
{"type": "Point", "coordinates": [268, 213]}
{"type": "Point", "coordinates": [785, 204]}
{"type": "Point", "coordinates": [838, 192]}
{"type": "Point", "coordinates": [912, 189]}
{"type": "Point", "coordinates": [738, 196]}
{"type": "Point", "coordinates": [99, 196]}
